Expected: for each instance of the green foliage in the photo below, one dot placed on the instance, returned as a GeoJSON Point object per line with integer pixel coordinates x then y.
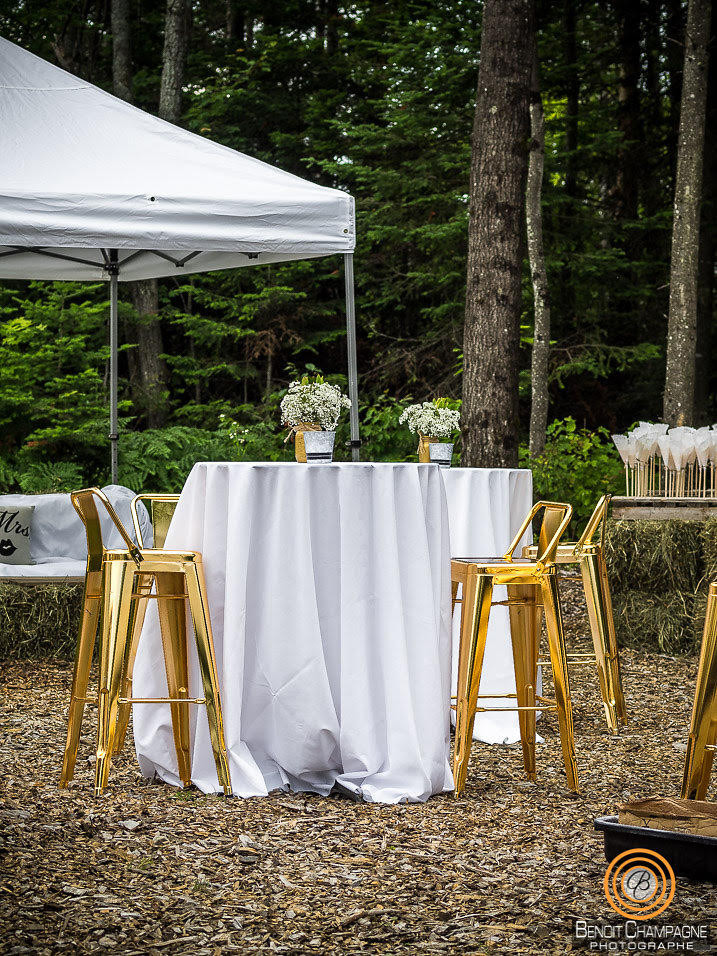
{"type": "Point", "coordinates": [43, 477]}
{"type": "Point", "coordinates": [52, 355]}
{"type": "Point", "coordinates": [382, 437]}
{"type": "Point", "coordinates": [161, 459]}
{"type": "Point", "coordinates": [577, 466]}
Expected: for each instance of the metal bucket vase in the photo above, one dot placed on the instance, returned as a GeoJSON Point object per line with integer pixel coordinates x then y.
{"type": "Point", "coordinates": [299, 446]}
{"type": "Point", "coordinates": [319, 446]}
{"type": "Point", "coordinates": [441, 453]}
{"type": "Point", "coordinates": [424, 455]}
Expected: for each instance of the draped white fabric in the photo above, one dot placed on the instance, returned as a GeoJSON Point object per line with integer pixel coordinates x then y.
{"type": "Point", "coordinates": [329, 589]}
{"type": "Point", "coordinates": [486, 507]}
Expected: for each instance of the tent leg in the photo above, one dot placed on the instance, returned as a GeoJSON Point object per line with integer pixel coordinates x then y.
{"type": "Point", "coordinates": [113, 270]}
{"type": "Point", "coordinates": [351, 346]}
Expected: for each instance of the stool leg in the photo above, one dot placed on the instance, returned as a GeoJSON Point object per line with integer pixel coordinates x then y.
{"type": "Point", "coordinates": [525, 637]}
{"type": "Point", "coordinates": [612, 643]}
{"type": "Point", "coordinates": [454, 596]}
{"type": "Point", "coordinates": [81, 675]}
{"type": "Point", "coordinates": [597, 598]}
{"type": "Point", "coordinates": [199, 608]}
{"type": "Point", "coordinates": [117, 621]}
{"type": "Point", "coordinates": [477, 593]}
{"type": "Point", "coordinates": [703, 725]}
{"type": "Point", "coordinates": [173, 625]}
{"type": "Point", "coordinates": [126, 709]}
{"type": "Point", "coordinates": [561, 680]}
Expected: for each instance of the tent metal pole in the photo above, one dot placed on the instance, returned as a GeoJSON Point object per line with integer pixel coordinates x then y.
{"type": "Point", "coordinates": [113, 269]}
{"type": "Point", "coordinates": [351, 348]}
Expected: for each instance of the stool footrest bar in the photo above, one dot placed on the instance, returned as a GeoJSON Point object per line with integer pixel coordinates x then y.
{"type": "Point", "coordinates": [162, 700]}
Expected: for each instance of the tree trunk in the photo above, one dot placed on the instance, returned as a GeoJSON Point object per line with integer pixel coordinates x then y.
{"type": "Point", "coordinates": [675, 29]}
{"type": "Point", "coordinates": [150, 348]}
{"type": "Point", "coordinates": [234, 21]}
{"type": "Point", "coordinates": [121, 56]}
{"type": "Point", "coordinates": [538, 272]}
{"type": "Point", "coordinates": [332, 27]}
{"type": "Point", "coordinates": [652, 190]}
{"type": "Point", "coordinates": [154, 374]}
{"type": "Point", "coordinates": [495, 236]}
{"type": "Point", "coordinates": [706, 268]}
{"type": "Point", "coordinates": [572, 96]}
{"type": "Point", "coordinates": [679, 399]}
{"type": "Point", "coordinates": [174, 54]}
{"type": "Point", "coordinates": [567, 214]}
{"type": "Point", "coordinates": [628, 96]}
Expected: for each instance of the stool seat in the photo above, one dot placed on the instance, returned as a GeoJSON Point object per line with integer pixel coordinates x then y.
{"type": "Point", "coordinates": [497, 562]}
{"type": "Point", "coordinates": [154, 559]}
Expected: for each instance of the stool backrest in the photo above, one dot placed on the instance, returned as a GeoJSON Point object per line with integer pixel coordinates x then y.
{"type": "Point", "coordinates": [161, 509]}
{"type": "Point", "coordinates": [85, 504]}
{"type": "Point", "coordinates": [556, 518]}
{"type": "Point", "coordinates": [596, 520]}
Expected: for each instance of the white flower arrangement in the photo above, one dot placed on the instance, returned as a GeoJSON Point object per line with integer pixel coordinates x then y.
{"type": "Point", "coordinates": [316, 402]}
{"type": "Point", "coordinates": [433, 419]}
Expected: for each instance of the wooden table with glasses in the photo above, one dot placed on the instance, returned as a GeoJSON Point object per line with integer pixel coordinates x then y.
{"type": "Point", "coordinates": [329, 588]}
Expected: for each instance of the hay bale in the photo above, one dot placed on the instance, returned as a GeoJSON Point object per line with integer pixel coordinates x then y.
{"type": "Point", "coordinates": [709, 548]}
{"type": "Point", "coordinates": [39, 620]}
{"type": "Point", "coordinates": [699, 611]}
{"type": "Point", "coordinates": [664, 622]}
{"type": "Point", "coordinates": [654, 556]}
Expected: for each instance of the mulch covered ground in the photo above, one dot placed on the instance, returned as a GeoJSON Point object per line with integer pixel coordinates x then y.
{"type": "Point", "coordinates": [505, 869]}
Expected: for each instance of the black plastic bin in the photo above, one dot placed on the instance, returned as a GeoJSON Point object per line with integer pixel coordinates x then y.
{"type": "Point", "coordinates": [688, 854]}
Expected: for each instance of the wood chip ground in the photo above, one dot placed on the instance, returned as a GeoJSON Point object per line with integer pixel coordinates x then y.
{"type": "Point", "coordinates": [507, 868]}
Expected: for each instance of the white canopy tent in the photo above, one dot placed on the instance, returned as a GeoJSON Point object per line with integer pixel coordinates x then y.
{"type": "Point", "coordinates": [93, 188]}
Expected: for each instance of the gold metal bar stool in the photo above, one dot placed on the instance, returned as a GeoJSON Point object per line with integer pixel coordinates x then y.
{"type": "Point", "coordinates": [589, 554]}
{"type": "Point", "coordinates": [161, 509]}
{"type": "Point", "coordinates": [118, 582]}
{"type": "Point", "coordinates": [702, 741]}
{"type": "Point", "coordinates": [532, 586]}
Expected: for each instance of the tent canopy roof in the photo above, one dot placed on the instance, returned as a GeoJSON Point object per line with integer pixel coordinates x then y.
{"type": "Point", "coordinates": [82, 172]}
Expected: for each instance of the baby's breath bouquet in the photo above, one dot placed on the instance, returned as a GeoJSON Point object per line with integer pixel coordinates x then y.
{"type": "Point", "coordinates": [434, 422]}
{"type": "Point", "coordinates": [313, 402]}
{"type": "Point", "coordinates": [433, 419]}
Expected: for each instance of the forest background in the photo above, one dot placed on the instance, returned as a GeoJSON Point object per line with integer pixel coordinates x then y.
{"type": "Point", "coordinates": [378, 99]}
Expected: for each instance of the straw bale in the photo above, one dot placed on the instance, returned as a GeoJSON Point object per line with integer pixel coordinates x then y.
{"type": "Point", "coordinates": [661, 621]}
{"type": "Point", "coordinates": [654, 556]}
{"type": "Point", "coordinates": [709, 548]}
{"type": "Point", "coordinates": [39, 620]}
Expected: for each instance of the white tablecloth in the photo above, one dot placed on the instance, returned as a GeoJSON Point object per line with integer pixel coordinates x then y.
{"type": "Point", "coordinates": [486, 507]}
{"type": "Point", "coordinates": [329, 589]}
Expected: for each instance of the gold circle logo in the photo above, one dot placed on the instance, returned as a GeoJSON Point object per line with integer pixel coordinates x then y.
{"type": "Point", "coordinates": [639, 884]}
